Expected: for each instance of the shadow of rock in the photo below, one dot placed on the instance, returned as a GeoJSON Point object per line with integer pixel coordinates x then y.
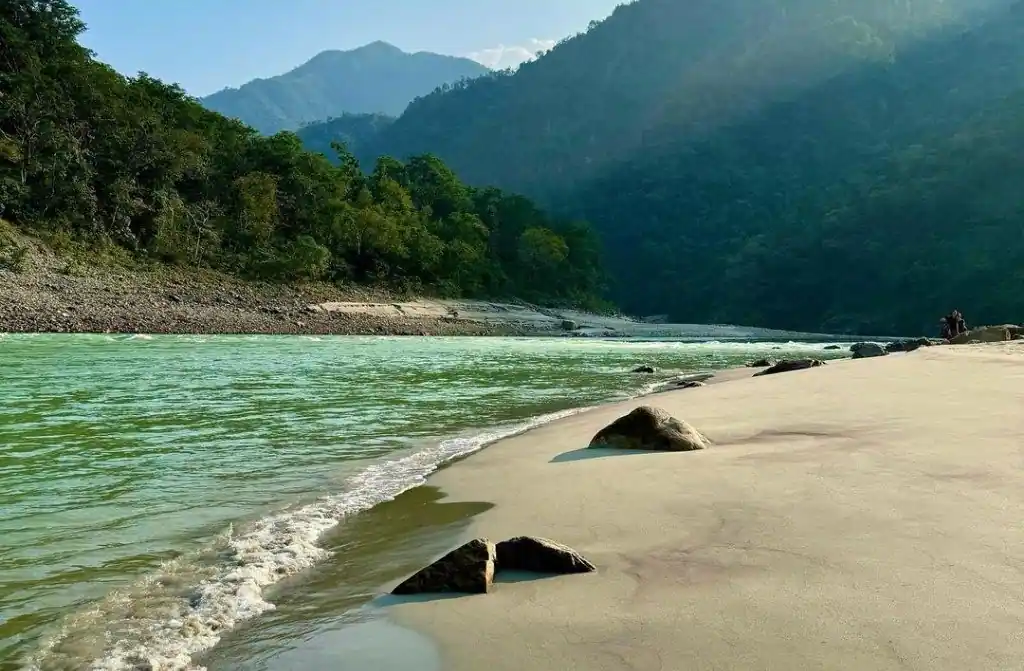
{"type": "Point", "coordinates": [598, 453]}
{"type": "Point", "coordinates": [523, 576]}
{"type": "Point", "coordinates": [388, 600]}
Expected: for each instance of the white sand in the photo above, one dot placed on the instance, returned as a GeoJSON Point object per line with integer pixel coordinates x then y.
{"type": "Point", "coordinates": [863, 515]}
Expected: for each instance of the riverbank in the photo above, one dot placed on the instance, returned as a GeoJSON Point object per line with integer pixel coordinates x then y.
{"type": "Point", "coordinates": [45, 292]}
{"type": "Point", "coordinates": [859, 514]}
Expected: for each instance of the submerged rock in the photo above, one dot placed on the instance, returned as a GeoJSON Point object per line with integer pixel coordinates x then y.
{"type": "Point", "coordinates": [540, 555]}
{"type": "Point", "coordinates": [761, 363]}
{"type": "Point", "coordinates": [468, 569]}
{"type": "Point", "coordinates": [788, 365]}
{"type": "Point", "coordinates": [833, 347]}
{"type": "Point", "coordinates": [690, 384]}
{"type": "Point", "coordinates": [648, 428]}
{"type": "Point", "coordinates": [866, 350]}
{"type": "Point", "coordinates": [645, 369]}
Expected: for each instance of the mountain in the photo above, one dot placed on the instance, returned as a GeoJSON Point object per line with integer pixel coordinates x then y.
{"type": "Point", "coordinates": [374, 79]}
{"type": "Point", "coordinates": [787, 163]}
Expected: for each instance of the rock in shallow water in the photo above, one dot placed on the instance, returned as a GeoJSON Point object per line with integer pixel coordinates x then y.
{"type": "Point", "coordinates": [468, 569]}
{"type": "Point", "coordinates": [540, 555]}
{"type": "Point", "coordinates": [648, 428]}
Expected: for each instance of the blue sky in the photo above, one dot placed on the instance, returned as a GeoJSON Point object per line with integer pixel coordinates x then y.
{"type": "Point", "coordinates": [205, 45]}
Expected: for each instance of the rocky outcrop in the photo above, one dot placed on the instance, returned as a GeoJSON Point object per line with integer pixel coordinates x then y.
{"type": "Point", "coordinates": [789, 365]}
{"type": "Point", "coordinates": [540, 555]}
{"type": "Point", "coordinates": [867, 350]}
{"type": "Point", "coordinates": [648, 428]}
{"type": "Point", "coordinates": [569, 325]}
{"type": "Point", "coordinates": [984, 334]}
{"type": "Point", "coordinates": [645, 370]}
{"type": "Point", "coordinates": [468, 569]}
{"type": "Point", "coordinates": [761, 363]}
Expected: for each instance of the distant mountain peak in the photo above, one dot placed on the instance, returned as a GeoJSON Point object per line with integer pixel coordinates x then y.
{"type": "Point", "coordinates": [376, 78]}
{"type": "Point", "coordinates": [380, 46]}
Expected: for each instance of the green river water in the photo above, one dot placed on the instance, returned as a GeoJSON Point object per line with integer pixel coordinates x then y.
{"type": "Point", "coordinates": [232, 502]}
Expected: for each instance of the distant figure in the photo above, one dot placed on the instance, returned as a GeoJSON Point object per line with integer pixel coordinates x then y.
{"type": "Point", "coordinates": [953, 325]}
{"type": "Point", "coordinates": [960, 325]}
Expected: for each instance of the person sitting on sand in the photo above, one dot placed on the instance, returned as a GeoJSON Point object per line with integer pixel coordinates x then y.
{"type": "Point", "coordinates": [960, 324]}
{"type": "Point", "coordinates": [947, 323]}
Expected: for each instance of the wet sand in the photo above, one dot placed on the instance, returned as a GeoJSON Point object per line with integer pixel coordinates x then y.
{"type": "Point", "coordinates": [864, 515]}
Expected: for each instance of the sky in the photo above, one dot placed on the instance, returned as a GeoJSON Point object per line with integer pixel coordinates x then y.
{"type": "Point", "coordinates": [206, 45]}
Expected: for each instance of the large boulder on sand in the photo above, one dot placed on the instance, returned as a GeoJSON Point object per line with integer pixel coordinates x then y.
{"type": "Point", "coordinates": [985, 334]}
{"type": "Point", "coordinates": [539, 555]}
{"type": "Point", "coordinates": [648, 428]}
{"type": "Point", "coordinates": [468, 569]}
{"type": "Point", "coordinates": [866, 350]}
{"type": "Point", "coordinates": [789, 365]}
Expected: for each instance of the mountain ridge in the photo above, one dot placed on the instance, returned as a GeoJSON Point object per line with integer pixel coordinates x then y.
{"type": "Point", "coordinates": [375, 78]}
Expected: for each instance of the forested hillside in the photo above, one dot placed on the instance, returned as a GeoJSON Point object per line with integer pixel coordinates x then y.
{"type": "Point", "coordinates": [374, 79]}
{"type": "Point", "coordinates": [844, 208]}
{"type": "Point", "coordinates": [652, 71]}
{"type": "Point", "coordinates": [86, 153]}
{"type": "Point", "coordinates": [786, 163]}
{"type": "Point", "coordinates": [356, 131]}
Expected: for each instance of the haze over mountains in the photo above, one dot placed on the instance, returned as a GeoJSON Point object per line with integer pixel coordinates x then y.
{"type": "Point", "coordinates": [377, 78]}
{"type": "Point", "coordinates": [790, 163]}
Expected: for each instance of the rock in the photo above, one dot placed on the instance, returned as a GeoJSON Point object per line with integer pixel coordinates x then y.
{"type": "Point", "coordinates": [645, 370]}
{"type": "Point", "coordinates": [788, 365]}
{"type": "Point", "coordinates": [690, 384]}
{"type": "Point", "coordinates": [569, 325]}
{"type": "Point", "coordinates": [833, 347]}
{"type": "Point", "coordinates": [648, 428]}
{"type": "Point", "coordinates": [865, 350]}
{"type": "Point", "coordinates": [468, 569]}
{"type": "Point", "coordinates": [908, 345]}
{"type": "Point", "coordinates": [985, 334]}
{"type": "Point", "coordinates": [539, 555]}
{"type": "Point", "coordinates": [761, 363]}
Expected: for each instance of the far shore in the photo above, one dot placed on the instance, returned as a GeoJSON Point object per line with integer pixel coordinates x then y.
{"type": "Point", "coordinates": [863, 514]}
{"type": "Point", "coordinates": [54, 294]}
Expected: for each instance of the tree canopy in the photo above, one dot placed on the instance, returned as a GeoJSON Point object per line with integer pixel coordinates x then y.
{"type": "Point", "coordinates": [87, 152]}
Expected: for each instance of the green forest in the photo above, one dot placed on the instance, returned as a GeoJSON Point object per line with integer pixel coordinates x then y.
{"type": "Point", "coordinates": [840, 165]}
{"type": "Point", "coordinates": [91, 155]}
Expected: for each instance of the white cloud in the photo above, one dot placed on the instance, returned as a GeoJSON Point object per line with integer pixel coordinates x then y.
{"type": "Point", "coordinates": [501, 56]}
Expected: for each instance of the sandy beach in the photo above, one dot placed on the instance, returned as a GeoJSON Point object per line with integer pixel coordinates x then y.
{"type": "Point", "coordinates": [860, 515]}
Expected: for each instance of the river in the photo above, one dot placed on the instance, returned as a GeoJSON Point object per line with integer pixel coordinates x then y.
{"type": "Point", "coordinates": [158, 492]}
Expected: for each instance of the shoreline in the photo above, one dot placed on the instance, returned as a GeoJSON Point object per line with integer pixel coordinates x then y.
{"type": "Point", "coordinates": [59, 294]}
{"type": "Point", "coordinates": [827, 491]}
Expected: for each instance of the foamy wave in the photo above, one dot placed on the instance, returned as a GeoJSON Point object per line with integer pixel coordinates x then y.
{"type": "Point", "coordinates": [188, 604]}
